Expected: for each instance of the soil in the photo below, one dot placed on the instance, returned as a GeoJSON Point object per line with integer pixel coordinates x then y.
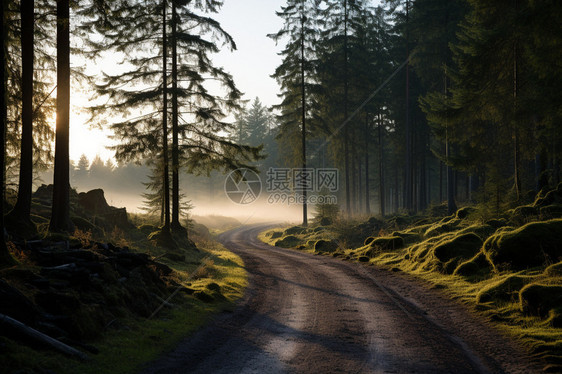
{"type": "Point", "coordinates": [305, 313]}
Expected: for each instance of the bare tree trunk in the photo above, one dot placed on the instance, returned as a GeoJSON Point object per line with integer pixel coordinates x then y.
{"type": "Point", "coordinates": [60, 218]}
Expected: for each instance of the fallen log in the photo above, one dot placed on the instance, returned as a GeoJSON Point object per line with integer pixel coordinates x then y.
{"type": "Point", "coordinates": [40, 337]}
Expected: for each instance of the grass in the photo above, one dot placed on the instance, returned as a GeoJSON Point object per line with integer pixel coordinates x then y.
{"type": "Point", "coordinates": [129, 343]}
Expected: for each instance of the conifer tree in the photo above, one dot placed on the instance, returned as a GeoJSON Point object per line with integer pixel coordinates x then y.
{"type": "Point", "coordinates": [197, 115]}
{"type": "Point", "coordinates": [295, 76]}
{"type": "Point", "coordinates": [5, 256]}
{"type": "Point", "coordinates": [60, 216]}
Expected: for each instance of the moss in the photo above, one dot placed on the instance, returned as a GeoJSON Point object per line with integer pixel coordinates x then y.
{"type": "Point", "coordinates": [476, 266]}
{"type": "Point", "coordinates": [554, 270]}
{"type": "Point", "coordinates": [447, 224]}
{"type": "Point", "coordinates": [554, 317]}
{"type": "Point", "coordinates": [483, 231]}
{"type": "Point", "coordinates": [294, 230]}
{"type": "Point", "coordinates": [539, 299]}
{"type": "Point", "coordinates": [453, 251]}
{"type": "Point", "coordinates": [369, 240]}
{"type": "Point", "coordinates": [496, 223]}
{"type": "Point", "coordinates": [276, 234]}
{"type": "Point", "coordinates": [551, 211]}
{"type": "Point", "coordinates": [506, 289]}
{"type": "Point", "coordinates": [388, 242]}
{"type": "Point", "coordinates": [289, 241]}
{"type": "Point", "coordinates": [408, 237]}
{"type": "Point", "coordinates": [326, 246]}
{"type": "Point", "coordinates": [522, 214]}
{"type": "Point", "coordinates": [462, 213]}
{"type": "Point", "coordinates": [531, 245]}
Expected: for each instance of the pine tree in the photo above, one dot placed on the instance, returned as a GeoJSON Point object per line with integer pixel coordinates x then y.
{"type": "Point", "coordinates": [197, 116]}
{"type": "Point", "coordinates": [60, 216]}
{"type": "Point", "coordinates": [5, 256]}
{"type": "Point", "coordinates": [295, 76]}
{"type": "Point", "coordinates": [20, 214]}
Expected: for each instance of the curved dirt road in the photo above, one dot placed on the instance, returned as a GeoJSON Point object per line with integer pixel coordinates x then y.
{"type": "Point", "coordinates": [315, 314]}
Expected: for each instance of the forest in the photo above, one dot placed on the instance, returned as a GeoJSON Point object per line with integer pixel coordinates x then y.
{"type": "Point", "coordinates": [420, 105]}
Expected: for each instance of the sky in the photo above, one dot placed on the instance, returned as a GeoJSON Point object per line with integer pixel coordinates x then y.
{"type": "Point", "coordinates": [256, 57]}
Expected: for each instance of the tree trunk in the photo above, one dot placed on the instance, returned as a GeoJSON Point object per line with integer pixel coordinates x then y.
{"type": "Point", "coordinates": [20, 215]}
{"type": "Point", "coordinates": [408, 183]}
{"type": "Point", "coordinates": [346, 131]}
{"type": "Point", "coordinates": [367, 197]}
{"type": "Point", "coordinates": [165, 160]}
{"type": "Point", "coordinates": [176, 225]}
{"type": "Point", "coordinates": [381, 167]}
{"type": "Point", "coordinates": [5, 257]}
{"type": "Point", "coordinates": [303, 121]}
{"type": "Point", "coordinates": [60, 217]}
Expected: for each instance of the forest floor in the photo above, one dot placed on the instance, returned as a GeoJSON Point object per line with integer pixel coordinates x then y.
{"type": "Point", "coordinates": [109, 291]}
{"type": "Point", "coordinates": [503, 267]}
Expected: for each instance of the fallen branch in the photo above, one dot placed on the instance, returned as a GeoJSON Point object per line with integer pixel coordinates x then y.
{"type": "Point", "coordinates": [39, 336]}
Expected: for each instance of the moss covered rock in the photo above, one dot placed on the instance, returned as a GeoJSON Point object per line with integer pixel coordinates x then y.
{"type": "Point", "coordinates": [295, 230]}
{"type": "Point", "coordinates": [551, 211]}
{"type": "Point", "coordinates": [477, 265]}
{"type": "Point", "coordinates": [533, 244]}
{"type": "Point", "coordinates": [506, 289]}
{"type": "Point", "coordinates": [276, 234]}
{"type": "Point", "coordinates": [369, 240]}
{"type": "Point", "coordinates": [459, 248]}
{"type": "Point", "coordinates": [388, 242]}
{"type": "Point", "coordinates": [447, 224]}
{"type": "Point", "coordinates": [554, 270]}
{"type": "Point", "coordinates": [289, 241]}
{"type": "Point", "coordinates": [462, 213]}
{"type": "Point", "coordinates": [407, 237]}
{"type": "Point", "coordinates": [539, 299]}
{"type": "Point", "coordinates": [326, 246]}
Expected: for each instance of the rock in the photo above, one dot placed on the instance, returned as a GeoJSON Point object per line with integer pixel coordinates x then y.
{"type": "Point", "coordinates": [326, 246]}
{"type": "Point", "coordinates": [95, 204]}
{"type": "Point", "coordinates": [533, 244]}
{"type": "Point", "coordinates": [388, 242]}
{"type": "Point", "coordinates": [289, 241]}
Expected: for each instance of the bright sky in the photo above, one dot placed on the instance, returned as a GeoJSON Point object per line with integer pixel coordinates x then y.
{"type": "Point", "coordinates": [248, 22]}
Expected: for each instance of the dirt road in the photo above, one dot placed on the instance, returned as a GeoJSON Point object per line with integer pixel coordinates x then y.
{"type": "Point", "coordinates": [315, 314]}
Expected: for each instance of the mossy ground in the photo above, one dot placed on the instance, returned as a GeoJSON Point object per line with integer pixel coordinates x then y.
{"type": "Point", "coordinates": [506, 268]}
{"type": "Point", "coordinates": [215, 278]}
